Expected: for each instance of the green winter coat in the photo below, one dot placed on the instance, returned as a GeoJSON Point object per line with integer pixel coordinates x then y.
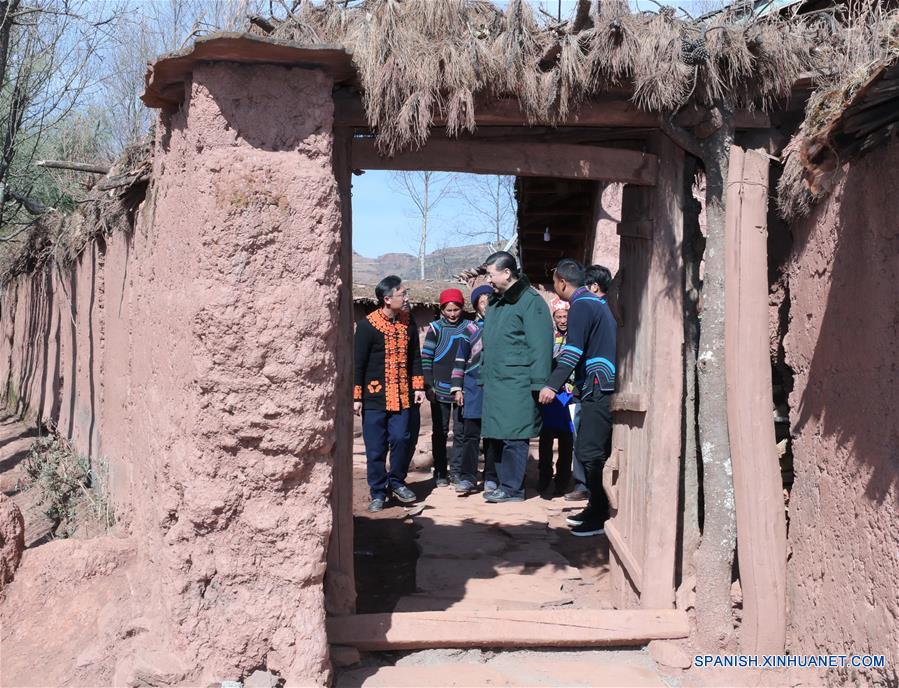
{"type": "Point", "coordinates": [515, 363]}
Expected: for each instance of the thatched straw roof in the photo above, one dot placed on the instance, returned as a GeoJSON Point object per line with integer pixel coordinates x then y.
{"type": "Point", "coordinates": [844, 120]}
{"type": "Point", "coordinates": [423, 60]}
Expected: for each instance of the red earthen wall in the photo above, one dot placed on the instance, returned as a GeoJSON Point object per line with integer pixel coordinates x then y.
{"type": "Point", "coordinates": [197, 357]}
{"type": "Point", "coordinates": [843, 568]}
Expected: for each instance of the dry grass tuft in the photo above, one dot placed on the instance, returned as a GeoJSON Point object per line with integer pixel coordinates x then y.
{"type": "Point", "coordinates": [420, 60]}
{"type": "Point", "coordinates": [867, 40]}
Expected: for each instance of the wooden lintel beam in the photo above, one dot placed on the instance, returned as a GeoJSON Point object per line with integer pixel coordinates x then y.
{"type": "Point", "coordinates": [523, 160]}
{"type": "Point", "coordinates": [494, 628]}
{"type": "Point", "coordinates": [603, 112]}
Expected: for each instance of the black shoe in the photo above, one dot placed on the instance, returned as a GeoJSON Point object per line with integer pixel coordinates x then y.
{"type": "Point", "coordinates": [579, 518]}
{"type": "Point", "coordinates": [500, 495]}
{"type": "Point", "coordinates": [404, 494]}
{"type": "Point", "coordinates": [589, 528]}
{"type": "Point", "coordinates": [577, 496]}
{"type": "Point", "coordinates": [376, 504]}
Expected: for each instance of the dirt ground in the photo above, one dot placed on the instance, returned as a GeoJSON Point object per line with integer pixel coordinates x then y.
{"type": "Point", "coordinates": [451, 552]}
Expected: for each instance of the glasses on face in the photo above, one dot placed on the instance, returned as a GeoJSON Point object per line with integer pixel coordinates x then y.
{"type": "Point", "coordinates": [404, 295]}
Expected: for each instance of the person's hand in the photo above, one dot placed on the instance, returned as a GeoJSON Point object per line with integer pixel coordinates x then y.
{"type": "Point", "coordinates": [357, 408]}
{"type": "Point", "coordinates": [460, 398]}
{"type": "Point", "coordinates": [419, 396]}
{"type": "Point", "coordinates": [546, 395]}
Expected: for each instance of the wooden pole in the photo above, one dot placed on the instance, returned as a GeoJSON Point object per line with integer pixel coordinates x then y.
{"type": "Point", "coordinates": [758, 491]}
{"type": "Point", "coordinates": [90, 167]}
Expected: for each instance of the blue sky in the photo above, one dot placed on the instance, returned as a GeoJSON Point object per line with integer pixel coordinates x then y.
{"type": "Point", "coordinates": [386, 220]}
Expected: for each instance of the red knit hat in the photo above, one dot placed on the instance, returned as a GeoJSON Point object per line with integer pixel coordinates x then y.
{"type": "Point", "coordinates": [451, 296]}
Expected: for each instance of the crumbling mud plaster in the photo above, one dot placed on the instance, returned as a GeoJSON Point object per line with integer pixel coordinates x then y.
{"type": "Point", "coordinates": [197, 356]}
{"type": "Point", "coordinates": [237, 339]}
{"type": "Point", "coordinates": [842, 345]}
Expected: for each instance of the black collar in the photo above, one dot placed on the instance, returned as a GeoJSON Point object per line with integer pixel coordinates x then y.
{"type": "Point", "coordinates": [513, 293]}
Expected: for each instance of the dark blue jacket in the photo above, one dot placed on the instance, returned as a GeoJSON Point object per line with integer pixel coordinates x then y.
{"type": "Point", "coordinates": [590, 348]}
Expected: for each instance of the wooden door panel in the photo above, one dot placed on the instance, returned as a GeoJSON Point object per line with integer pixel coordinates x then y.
{"type": "Point", "coordinates": [642, 476]}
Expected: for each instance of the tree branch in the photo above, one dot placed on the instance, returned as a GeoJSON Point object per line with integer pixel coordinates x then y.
{"type": "Point", "coordinates": [32, 206]}
{"type": "Point", "coordinates": [681, 137]}
{"type": "Point", "coordinates": [93, 168]}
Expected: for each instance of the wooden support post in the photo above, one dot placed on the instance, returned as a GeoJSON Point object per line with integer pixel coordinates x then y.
{"type": "Point", "coordinates": [567, 161]}
{"type": "Point", "coordinates": [758, 491]}
{"type": "Point", "coordinates": [666, 290]}
{"type": "Point", "coordinates": [340, 582]}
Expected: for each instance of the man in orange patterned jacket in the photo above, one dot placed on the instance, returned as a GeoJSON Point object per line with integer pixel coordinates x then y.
{"type": "Point", "coordinates": [387, 382]}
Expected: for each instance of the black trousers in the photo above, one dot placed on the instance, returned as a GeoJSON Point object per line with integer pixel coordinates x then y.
{"type": "Point", "coordinates": [440, 422]}
{"type": "Point", "coordinates": [471, 449]}
{"type": "Point", "coordinates": [592, 448]}
{"type": "Point", "coordinates": [563, 462]}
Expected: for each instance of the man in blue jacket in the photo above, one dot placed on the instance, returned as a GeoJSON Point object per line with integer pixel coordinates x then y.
{"type": "Point", "coordinates": [590, 352]}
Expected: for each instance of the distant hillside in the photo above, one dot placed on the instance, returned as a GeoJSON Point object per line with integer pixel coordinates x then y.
{"type": "Point", "coordinates": [439, 265]}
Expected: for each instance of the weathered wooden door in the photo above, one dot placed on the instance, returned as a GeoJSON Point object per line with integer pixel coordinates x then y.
{"type": "Point", "coordinates": [642, 473]}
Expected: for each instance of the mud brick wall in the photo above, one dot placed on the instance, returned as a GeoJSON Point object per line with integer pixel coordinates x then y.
{"type": "Point", "coordinates": [197, 356]}
{"type": "Point", "coordinates": [843, 565]}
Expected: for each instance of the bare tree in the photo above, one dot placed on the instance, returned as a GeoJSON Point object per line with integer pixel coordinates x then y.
{"type": "Point", "coordinates": [47, 51]}
{"type": "Point", "coordinates": [490, 200]}
{"type": "Point", "coordinates": [426, 190]}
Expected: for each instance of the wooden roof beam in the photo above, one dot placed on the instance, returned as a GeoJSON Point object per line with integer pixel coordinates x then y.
{"type": "Point", "coordinates": [523, 160]}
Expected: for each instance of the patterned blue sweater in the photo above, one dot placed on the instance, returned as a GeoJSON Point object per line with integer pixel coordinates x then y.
{"type": "Point", "coordinates": [438, 355]}
{"type": "Point", "coordinates": [590, 348]}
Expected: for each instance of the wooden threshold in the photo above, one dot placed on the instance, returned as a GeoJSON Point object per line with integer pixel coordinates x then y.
{"type": "Point", "coordinates": [539, 628]}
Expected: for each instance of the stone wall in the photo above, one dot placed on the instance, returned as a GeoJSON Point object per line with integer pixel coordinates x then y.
{"type": "Point", "coordinates": [196, 355]}
{"type": "Point", "coordinates": [843, 541]}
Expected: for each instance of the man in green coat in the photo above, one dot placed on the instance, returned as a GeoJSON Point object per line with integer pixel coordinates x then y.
{"type": "Point", "coordinates": [515, 365]}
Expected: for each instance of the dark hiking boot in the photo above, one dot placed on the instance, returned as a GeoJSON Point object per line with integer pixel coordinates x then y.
{"type": "Point", "coordinates": [376, 504]}
{"type": "Point", "coordinates": [577, 496]}
{"type": "Point", "coordinates": [579, 518]}
{"type": "Point", "coordinates": [500, 496]}
{"type": "Point", "coordinates": [589, 528]}
{"type": "Point", "coordinates": [465, 488]}
{"type": "Point", "coordinates": [404, 494]}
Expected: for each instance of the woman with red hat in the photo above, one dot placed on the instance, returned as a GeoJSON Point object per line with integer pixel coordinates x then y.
{"type": "Point", "coordinates": [438, 356]}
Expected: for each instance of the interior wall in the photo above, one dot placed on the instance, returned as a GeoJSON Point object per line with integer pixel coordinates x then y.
{"type": "Point", "coordinates": [842, 348]}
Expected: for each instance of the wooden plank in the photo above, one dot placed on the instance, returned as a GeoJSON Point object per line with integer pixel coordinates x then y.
{"type": "Point", "coordinates": [758, 490]}
{"type": "Point", "coordinates": [598, 113]}
{"type": "Point", "coordinates": [625, 554]}
{"type": "Point", "coordinates": [166, 77]}
{"type": "Point", "coordinates": [665, 292]}
{"type": "Point", "coordinates": [544, 628]}
{"type": "Point", "coordinates": [340, 582]}
{"type": "Point", "coordinates": [630, 400]}
{"type": "Point", "coordinates": [639, 229]}
{"type": "Point", "coordinates": [567, 161]}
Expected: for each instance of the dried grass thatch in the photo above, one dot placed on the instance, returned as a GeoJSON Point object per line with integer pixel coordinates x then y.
{"type": "Point", "coordinates": [423, 60]}
{"type": "Point", "coordinates": [60, 238]}
{"type": "Point", "coordinates": [862, 53]}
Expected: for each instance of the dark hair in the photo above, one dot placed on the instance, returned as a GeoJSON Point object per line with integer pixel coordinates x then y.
{"type": "Point", "coordinates": [571, 271]}
{"type": "Point", "coordinates": [599, 275]}
{"type": "Point", "coordinates": [386, 287]}
{"type": "Point", "coordinates": [503, 261]}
